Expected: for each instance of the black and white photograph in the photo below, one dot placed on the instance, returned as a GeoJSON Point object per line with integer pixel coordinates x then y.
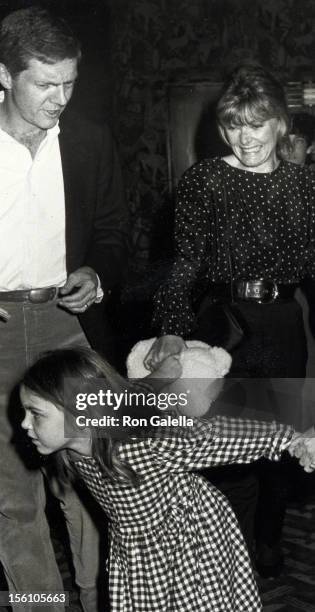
{"type": "Point", "coordinates": [157, 305]}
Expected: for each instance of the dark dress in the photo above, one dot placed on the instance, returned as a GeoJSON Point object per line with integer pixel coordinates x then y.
{"type": "Point", "coordinates": [271, 222]}
{"type": "Point", "coordinates": [268, 221]}
{"type": "Point", "coordinates": [175, 544]}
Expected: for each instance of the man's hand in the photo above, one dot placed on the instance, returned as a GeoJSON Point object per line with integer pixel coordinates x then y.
{"type": "Point", "coordinates": [79, 290]}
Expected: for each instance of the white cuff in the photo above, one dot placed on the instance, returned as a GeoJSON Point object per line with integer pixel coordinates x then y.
{"type": "Point", "coordinates": [99, 291]}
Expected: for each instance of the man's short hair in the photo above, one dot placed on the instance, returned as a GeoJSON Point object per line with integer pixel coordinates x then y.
{"type": "Point", "coordinates": [34, 33]}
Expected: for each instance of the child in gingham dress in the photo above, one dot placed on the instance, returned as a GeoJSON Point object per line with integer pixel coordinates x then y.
{"type": "Point", "coordinates": [175, 544]}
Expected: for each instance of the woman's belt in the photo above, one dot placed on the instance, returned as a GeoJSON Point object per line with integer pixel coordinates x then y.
{"type": "Point", "coordinates": [261, 291]}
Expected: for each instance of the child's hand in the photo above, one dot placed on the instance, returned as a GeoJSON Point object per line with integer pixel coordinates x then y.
{"type": "Point", "coordinates": [303, 448]}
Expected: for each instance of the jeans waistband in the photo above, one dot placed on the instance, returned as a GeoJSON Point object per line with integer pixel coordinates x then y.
{"type": "Point", "coordinates": [34, 296]}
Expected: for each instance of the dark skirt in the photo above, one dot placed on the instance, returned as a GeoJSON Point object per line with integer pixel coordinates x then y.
{"type": "Point", "coordinates": [274, 343]}
{"type": "Point", "coordinates": [265, 383]}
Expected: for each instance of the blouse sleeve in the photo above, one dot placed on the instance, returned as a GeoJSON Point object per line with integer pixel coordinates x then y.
{"type": "Point", "coordinates": [173, 302]}
{"type": "Point", "coordinates": [309, 189]}
{"type": "Point", "coordinates": [222, 441]}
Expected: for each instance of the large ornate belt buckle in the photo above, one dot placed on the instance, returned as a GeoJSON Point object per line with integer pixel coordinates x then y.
{"type": "Point", "coordinates": [262, 291]}
{"type": "Point", "coordinates": [40, 296]}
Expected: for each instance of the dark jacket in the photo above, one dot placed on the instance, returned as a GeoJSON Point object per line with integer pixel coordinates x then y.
{"type": "Point", "coordinates": [96, 214]}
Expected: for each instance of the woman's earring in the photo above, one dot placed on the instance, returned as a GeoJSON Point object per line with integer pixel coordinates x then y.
{"type": "Point", "coordinates": [1, 96]}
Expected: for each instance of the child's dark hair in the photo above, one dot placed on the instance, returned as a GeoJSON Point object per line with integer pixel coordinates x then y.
{"type": "Point", "coordinates": [46, 378]}
{"type": "Point", "coordinates": [303, 124]}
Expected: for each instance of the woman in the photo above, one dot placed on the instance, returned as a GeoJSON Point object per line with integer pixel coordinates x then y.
{"type": "Point", "coordinates": [245, 233]}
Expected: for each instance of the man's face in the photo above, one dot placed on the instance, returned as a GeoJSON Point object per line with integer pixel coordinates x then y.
{"type": "Point", "coordinates": [39, 94]}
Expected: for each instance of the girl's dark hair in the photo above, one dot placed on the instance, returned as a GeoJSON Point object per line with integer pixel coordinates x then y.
{"type": "Point", "coordinates": [34, 33]}
{"type": "Point", "coordinates": [47, 378]}
{"type": "Point", "coordinates": [303, 124]}
{"type": "Point", "coordinates": [252, 95]}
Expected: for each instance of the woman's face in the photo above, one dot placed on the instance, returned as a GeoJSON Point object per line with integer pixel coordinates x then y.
{"type": "Point", "coordinates": [254, 145]}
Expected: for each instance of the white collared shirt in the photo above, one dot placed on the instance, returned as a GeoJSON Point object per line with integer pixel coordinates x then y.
{"type": "Point", "coordinates": [32, 214]}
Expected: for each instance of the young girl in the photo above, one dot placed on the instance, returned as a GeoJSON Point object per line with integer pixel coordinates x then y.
{"type": "Point", "coordinates": [175, 544]}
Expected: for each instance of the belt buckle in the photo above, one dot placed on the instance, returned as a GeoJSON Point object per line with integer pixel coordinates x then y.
{"type": "Point", "coordinates": [40, 296]}
{"type": "Point", "coordinates": [257, 290]}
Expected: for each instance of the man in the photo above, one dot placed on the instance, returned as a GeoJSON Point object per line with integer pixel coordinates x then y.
{"type": "Point", "coordinates": [62, 248]}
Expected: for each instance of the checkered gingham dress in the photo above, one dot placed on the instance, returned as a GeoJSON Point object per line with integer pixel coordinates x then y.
{"type": "Point", "coordinates": [175, 543]}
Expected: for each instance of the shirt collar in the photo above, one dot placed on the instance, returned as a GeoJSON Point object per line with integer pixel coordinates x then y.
{"type": "Point", "coordinates": [52, 134]}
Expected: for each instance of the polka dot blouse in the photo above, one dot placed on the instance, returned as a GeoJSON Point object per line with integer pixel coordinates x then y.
{"type": "Point", "coordinates": [265, 220]}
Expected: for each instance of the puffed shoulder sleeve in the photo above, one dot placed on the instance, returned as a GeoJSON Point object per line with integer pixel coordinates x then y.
{"type": "Point", "coordinates": [222, 441]}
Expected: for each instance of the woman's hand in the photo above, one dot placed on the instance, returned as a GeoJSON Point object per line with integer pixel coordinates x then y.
{"type": "Point", "coordinates": [170, 367]}
{"type": "Point", "coordinates": [166, 373]}
{"type": "Point", "coordinates": [163, 347]}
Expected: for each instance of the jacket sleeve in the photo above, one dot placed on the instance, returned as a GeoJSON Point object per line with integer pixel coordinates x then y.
{"type": "Point", "coordinates": [107, 251]}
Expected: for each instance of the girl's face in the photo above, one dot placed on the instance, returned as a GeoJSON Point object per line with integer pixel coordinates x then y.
{"type": "Point", "coordinates": [45, 423]}
{"type": "Point", "coordinates": [254, 145]}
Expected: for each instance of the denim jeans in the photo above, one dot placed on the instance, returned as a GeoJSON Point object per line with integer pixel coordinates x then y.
{"type": "Point", "coordinates": [26, 552]}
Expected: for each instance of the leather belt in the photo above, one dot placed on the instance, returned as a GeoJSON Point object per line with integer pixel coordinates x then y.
{"type": "Point", "coordinates": [261, 291]}
{"type": "Point", "coordinates": [34, 296]}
